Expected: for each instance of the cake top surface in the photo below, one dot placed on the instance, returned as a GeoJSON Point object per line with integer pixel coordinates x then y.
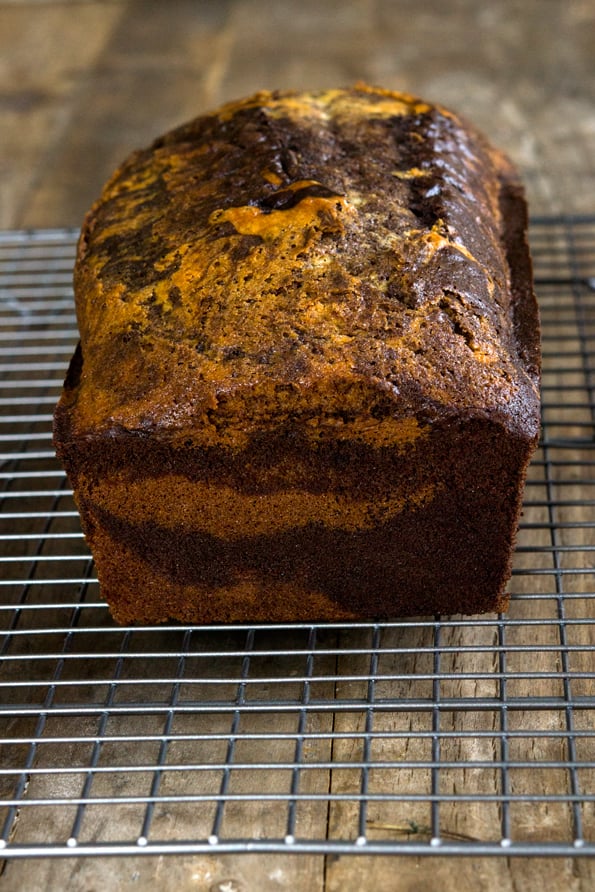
{"type": "Point", "coordinates": [337, 259]}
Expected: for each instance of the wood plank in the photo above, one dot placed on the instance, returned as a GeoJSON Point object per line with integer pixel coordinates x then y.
{"type": "Point", "coordinates": [166, 64]}
{"type": "Point", "coordinates": [83, 84]}
{"type": "Point", "coordinates": [156, 71]}
{"type": "Point", "coordinates": [180, 873]}
{"type": "Point", "coordinates": [176, 819]}
{"type": "Point", "coordinates": [409, 874]}
{"type": "Point", "coordinates": [45, 53]}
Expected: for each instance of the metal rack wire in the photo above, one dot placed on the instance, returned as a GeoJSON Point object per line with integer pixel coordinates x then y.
{"type": "Point", "coordinates": [447, 735]}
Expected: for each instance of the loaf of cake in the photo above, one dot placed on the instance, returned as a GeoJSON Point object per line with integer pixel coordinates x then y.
{"type": "Point", "coordinates": [307, 384]}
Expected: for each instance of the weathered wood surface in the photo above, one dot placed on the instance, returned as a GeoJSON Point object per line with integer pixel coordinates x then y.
{"type": "Point", "coordinates": [83, 83]}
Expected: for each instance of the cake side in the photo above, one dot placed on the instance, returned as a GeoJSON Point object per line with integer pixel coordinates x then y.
{"type": "Point", "coordinates": [307, 386]}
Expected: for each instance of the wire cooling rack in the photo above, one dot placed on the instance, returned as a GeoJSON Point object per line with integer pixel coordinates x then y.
{"type": "Point", "coordinates": [447, 735]}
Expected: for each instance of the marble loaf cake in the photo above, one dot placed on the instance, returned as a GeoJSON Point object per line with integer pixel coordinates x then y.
{"type": "Point", "coordinates": [307, 385]}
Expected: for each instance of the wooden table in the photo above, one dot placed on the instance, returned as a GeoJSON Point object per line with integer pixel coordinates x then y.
{"type": "Point", "coordinates": [83, 83]}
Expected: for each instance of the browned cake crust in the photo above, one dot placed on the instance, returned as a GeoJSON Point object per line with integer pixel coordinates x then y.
{"type": "Point", "coordinates": [307, 381]}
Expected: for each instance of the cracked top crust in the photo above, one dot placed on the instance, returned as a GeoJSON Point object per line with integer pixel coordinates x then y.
{"type": "Point", "coordinates": [350, 261]}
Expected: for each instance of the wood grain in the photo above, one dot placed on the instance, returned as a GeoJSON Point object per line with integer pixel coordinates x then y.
{"type": "Point", "coordinates": [45, 56]}
{"type": "Point", "coordinates": [84, 83]}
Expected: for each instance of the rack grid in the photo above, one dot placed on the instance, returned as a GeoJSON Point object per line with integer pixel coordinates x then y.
{"type": "Point", "coordinates": [448, 735]}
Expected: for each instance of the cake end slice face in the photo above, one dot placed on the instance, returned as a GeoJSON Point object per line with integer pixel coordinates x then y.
{"type": "Point", "coordinates": [272, 534]}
